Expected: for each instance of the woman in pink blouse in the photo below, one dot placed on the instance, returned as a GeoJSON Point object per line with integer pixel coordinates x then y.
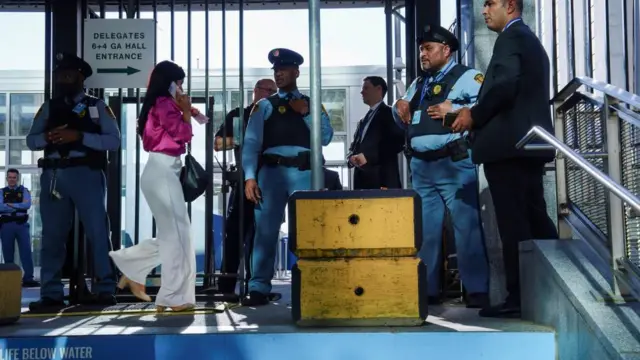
{"type": "Point", "coordinates": [165, 127]}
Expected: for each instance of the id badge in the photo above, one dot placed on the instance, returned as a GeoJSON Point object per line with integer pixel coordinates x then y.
{"type": "Point", "coordinates": [416, 117]}
{"type": "Point", "coordinates": [79, 108]}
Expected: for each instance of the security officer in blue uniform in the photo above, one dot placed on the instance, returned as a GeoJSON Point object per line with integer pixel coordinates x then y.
{"type": "Point", "coordinates": [277, 161]}
{"type": "Point", "coordinates": [75, 131]}
{"type": "Point", "coordinates": [15, 201]}
{"type": "Point", "coordinates": [441, 167]}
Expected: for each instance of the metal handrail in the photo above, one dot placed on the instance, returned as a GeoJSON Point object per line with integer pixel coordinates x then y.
{"type": "Point", "coordinates": [608, 89]}
{"type": "Point", "coordinates": [615, 188]}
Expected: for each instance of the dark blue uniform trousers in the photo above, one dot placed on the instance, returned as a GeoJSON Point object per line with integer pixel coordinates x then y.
{"type": "Point", "coordinates": [9, 234]}
{"type": "Point", "coordinates": [86, 189]}
{"type": "Point", "coordinates": [443, 183]}
{"type": "Point", "coordinates": [276, 183]}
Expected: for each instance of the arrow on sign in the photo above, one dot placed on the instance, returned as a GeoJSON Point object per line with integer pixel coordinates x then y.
{"type": "Point", "coordinates": [128, 70]}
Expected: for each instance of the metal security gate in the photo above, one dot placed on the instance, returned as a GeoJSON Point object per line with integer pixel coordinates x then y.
{"type": "Point", "coordinates": [90, 9]}
{"type": "Point", "coordinates": [206, 281]}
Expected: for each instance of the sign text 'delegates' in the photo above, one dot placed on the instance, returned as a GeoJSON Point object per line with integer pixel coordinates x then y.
{"type": "Point", "coordinates": [120, 51]}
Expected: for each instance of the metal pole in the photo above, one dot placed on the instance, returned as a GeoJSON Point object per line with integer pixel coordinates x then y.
{"type": "Point", "coordinates": [241, 239]}
{"type": "Point", "coordinates": [389, 30]}
{"type": "Point", "coordinates": [636, 44]}
{"type": "Point", "coordinates": [317, 175]}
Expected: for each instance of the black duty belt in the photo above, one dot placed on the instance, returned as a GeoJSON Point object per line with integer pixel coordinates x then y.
{"type": "Point", "coordinates": [457, 150]}
{"type": "Point", "coordinates": [61, 163]}
{"type": "Point", "coordinates": [18, 219]}
{"type": "Point", "coordinates": [302, 161]}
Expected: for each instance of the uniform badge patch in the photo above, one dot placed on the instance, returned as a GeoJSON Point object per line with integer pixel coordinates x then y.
{"type": "Point", "coordinates": [437, 89]}
{"type": "Point", "coordinates": [276, 53]}
{"type": "Point", "coordinates": [479, 78]}
{"type": "Point", "coordinates": [82, 113]}
{"type": "Point", "coordinates": [282, 109]}
{"type": "Point", "coordinates": [110, 112]}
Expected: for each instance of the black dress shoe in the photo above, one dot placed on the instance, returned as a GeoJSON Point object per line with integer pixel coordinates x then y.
{"type": "Point", "coordinates": [504, 310]}
{"type": "Point", "coordinates": [102, 299]}
{"type": "Point", "coordinates": [478, 301]}
{"type": "Point", "coordinates": [47, 305]}
{"type": "Point", "coordinates": [30, 283]}
{"type": "Point", "coordinates": [256, 299]}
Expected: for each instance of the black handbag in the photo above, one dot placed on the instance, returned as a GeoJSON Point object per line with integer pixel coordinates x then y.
{"type": "Point", "coordinates": [193, 177]}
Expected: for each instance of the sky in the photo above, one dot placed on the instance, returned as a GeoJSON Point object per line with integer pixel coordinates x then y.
{"type": "Point", "coordinates": [348, 36]}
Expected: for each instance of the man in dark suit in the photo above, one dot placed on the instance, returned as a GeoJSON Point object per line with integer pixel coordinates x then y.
{"type": "Point", "coordinates": [230, 259]}
{"type": "Point", "coordinates": [377, 141]}
{"type": "Point", "coordinates": [514, 98]}
{"type": "Point", "coordinates": [332, 180]}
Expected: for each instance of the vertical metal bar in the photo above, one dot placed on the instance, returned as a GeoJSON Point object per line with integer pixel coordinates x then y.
{"type": "Point", "coordinates": [467, 32]}
{"type": "Point", "coordinates": [137, 196]}
{"type": "Point", "coordinates": [209, 248]}
{"type": "Point", "coordinates": [388, 15]}
{"type": "Point", "coordinates": [410, 36]}
{"type": "Point", "coordinates": [398, 76]}
{"type": "Point", "coordinates": [172, 8]}
{"type": "Point", "coordinates": [616, 207]}
{"type": "Point", "coordinates": [317, 176]}
{"type": "Point", "coordinates": [242, 264]}
{"type": "Point", "coordinates": [459, 32]}
{"type": "Point", "coordinates": [47, 50]}
{"type": "Point", "coordinates": [571, 51]}
{"type": "Point", "coordinates": [636, 44]}
{"type": "Point", "coordinates": [588, 61]}
{"type": "Point", "coordinates": [539, 17]}
{"type": "Point", "coordinates": [154, 227]}
{"type": "Point", "coordinates": [189, 23]}
{"type": "Point", "coordinates": [554, 49]}
{"type": "Point", "coordinates": [564, 231]}
{"type": "Point", "coordinates": [224, 128]}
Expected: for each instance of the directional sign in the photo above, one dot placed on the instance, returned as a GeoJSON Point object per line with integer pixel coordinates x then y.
{"type": "Point", "coordinates": [121, 52]}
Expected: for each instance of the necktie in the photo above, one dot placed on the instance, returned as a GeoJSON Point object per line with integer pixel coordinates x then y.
{"type": "Point", "coordinates": [363, 124]}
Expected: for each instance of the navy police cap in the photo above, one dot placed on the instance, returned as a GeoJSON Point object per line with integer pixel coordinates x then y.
{"type": "Point", "coordinates": [66, 61]}
{"type": "Point", "coordinates": [440, 35]}
{"type": "Point", "coordinates": [285, 57]}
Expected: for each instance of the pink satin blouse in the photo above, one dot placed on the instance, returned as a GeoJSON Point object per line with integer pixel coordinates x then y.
{"type": "Point", "coordinates": [165, 131]}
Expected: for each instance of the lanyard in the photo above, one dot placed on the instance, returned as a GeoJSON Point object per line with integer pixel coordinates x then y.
{"type": "Point", "coordinates": [426, 84]}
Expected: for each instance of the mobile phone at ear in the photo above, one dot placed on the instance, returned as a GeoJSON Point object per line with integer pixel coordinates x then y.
{"type": "Point", "coordinates": [449, 119]}
{"type": "Point", "coordinates": [173, 89]}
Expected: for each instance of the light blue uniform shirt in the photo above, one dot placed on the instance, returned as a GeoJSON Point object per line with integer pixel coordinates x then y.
{"type": "Point", "coordinates": [107, 140]}
{"type": "Point", "coordinates": [24, 205]}
{"type": "Point", "coordinates": [252, 147]}
{"type": "Point", "coordinates": [465, 91]}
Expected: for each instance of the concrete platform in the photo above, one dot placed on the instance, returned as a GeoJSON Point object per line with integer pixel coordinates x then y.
{"type": "Point", "coordinates": [267, 332]}
{"type": "Point", "coordinates": [569, 288]}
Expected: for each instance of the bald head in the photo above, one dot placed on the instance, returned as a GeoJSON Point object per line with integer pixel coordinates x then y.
{"type": "Point", "coordinates": [264, 88]}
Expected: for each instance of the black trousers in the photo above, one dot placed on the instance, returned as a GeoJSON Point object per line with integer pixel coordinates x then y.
{"type": "Point", "coordinates": [521, 212]}
{"type": "Point", "coordinates": [234, 238]}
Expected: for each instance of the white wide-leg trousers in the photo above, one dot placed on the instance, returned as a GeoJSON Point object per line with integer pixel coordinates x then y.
{"type": "Point", "coordinates": [172, 248]}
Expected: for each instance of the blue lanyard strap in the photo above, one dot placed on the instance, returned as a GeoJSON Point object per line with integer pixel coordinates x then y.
{"type": "Point", "coordinates": [439, 77]}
